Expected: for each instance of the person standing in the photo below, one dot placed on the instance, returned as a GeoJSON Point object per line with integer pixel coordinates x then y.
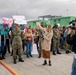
{"type": "Point", "coordinates": [67, 46]}
{"type": "Point", "coordinates": [40, 38]}
{"type": "Point", "coordinates": [17, 37]}
{"type": "Point", "coordinates": [23, 40]}
{"type": "Point", "coordinates": [71, 40]}
{"type": "Point", "coordinates": [56, 39]}
{"type": "Point", "coordinates": [29, 39]}
{"type": "Point", "coordinates": [47, 37]}
{"type": "Point", "coordinates": [36, 38]}
{"type": "Point", "coordinates": [2, 46]}
{"type": "Point", "coordinates": [7, 43]}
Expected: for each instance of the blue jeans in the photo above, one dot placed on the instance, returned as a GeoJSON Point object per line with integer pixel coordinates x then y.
{"type": "Point", "coordinates": [74, 67]}
{"type": "Point", "coordinates": [28, 48]}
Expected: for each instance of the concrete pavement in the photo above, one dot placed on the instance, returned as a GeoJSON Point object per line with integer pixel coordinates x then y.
{"type": "Point", "coordinates": [61, 65]}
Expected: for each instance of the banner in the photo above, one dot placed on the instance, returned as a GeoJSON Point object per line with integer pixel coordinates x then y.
{"type": "Point", "coordinates": [7, 21]}
{"type": "Point", "coordinates": [19, 19]}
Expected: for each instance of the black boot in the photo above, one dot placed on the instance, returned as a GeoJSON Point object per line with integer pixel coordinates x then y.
{"type": "Point", "coordinates": [58, 53]}
{"type": "Point", "coordinates": [49, 63]}
{"type": "Point", "coordinates": [45, 62]}
{"type": "Point", "coordinates": [21, 60]}
{"type": "Point", "coordinates": [54, 53]}
{"type": "Point", "coordinates": [31, 56]}
{"type": "Point", "coordinates": [0, 58]}
{"type": "Point", "coordinates": [39, 56]}
{"type": "Point", "coordinates": [15, 61]}
{"type": "Point", "coordinates": [67, 52]}
{"type": "Point", "coordinates": [3, 56]}
{"type": "Point", "coordinates": [27, 56]}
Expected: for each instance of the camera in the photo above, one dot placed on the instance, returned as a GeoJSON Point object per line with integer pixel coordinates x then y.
{"type": "Point", "coordinates": [73, 28]}
{"type": "Point", "coordinates": [72, 25]}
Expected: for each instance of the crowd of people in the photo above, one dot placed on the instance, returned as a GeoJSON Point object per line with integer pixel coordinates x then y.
{"type": "Point", "coordinates": [47, 39]}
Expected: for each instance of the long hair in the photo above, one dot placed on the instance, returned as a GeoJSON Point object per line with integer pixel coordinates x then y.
{"type": "Point", "coordinates": [50, 28]}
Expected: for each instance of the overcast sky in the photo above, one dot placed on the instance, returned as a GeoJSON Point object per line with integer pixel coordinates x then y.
{"type": "Point", "coordinates": [31, 9]}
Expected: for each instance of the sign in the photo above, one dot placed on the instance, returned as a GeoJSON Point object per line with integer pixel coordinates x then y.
{"type": "Point", "coordinates": [7, 21]}
{"type": "Point", "coordinates": [19, 19]}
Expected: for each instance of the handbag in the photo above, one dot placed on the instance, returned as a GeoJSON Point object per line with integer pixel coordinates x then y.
{"type": "Point", "coordinates": [34, 49]}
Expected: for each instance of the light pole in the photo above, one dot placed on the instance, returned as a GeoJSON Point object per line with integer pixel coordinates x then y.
{"type": "Point", "coordinates": [67, 11]}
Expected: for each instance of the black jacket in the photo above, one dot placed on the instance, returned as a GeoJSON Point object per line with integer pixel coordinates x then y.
{"type": "Point", "coordinates": [72, 41]}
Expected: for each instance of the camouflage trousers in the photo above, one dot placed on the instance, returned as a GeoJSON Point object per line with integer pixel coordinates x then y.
{"type": "Point", "coordinates": [40, 47]}
{"type": "Point", "coordinates": [66, 46]}
{"type": "Point", "coordinates": [56, 44]}
{"type": "Point", "coordinates": [17, 50]}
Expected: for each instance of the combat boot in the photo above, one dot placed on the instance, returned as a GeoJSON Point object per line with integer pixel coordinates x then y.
{"type": "Point", "coordinates": [21, 60]}
{"type": "Point", "coordinates": [45, 62]}
{"type": "Point", "coordinates": [15, 61]}
{"type": "Point", "coordinates": [49, 62]}
{"type": "Point", "coordinates": [67, 52]}
{"type": "Point", "coordinates": [39, 56]}
{"type": "Point", "coordinates": [58, 52]}
{"type": "Point", "coordinates": [54, 53]}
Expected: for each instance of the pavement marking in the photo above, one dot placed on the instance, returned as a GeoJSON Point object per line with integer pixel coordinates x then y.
{"type": "Point", "coordinates": [12, 71]}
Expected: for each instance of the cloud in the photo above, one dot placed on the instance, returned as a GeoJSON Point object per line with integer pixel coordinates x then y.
{"type": "Point", "coordinates": [34, 8]}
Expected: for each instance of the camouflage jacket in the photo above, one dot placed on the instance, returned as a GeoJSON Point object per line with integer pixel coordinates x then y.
{"type": "Point", "coordinates": [56, 33]}
{"type": "Point", "coordinates": [17, 36]}
{"type": "Point", "coordinates": [40, 34]}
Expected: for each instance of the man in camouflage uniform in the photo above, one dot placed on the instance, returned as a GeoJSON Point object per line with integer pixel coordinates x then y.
{"type": "Point", "coordinates": [72, 33]}
{"type": "Point", "coordinates": [40, 40]}
{"type": "Point", "coordinates": [67, 46]}
{"type": "Point", "coordinates": [56, 39]}
{"type": "Point", "coordinates": [17, 36]}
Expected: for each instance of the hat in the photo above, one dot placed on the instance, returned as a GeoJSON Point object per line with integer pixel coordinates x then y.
{"type": "Point", "coordinates": [58, 24]}
{"type": "Point", "coordinates": [15, 24]}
